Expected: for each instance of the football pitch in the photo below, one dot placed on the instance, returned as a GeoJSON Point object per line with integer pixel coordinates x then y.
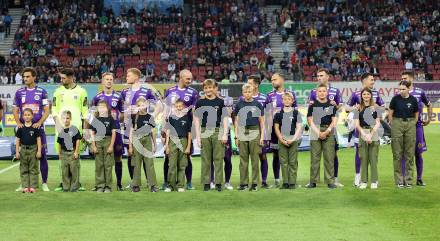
{"type": "Point", "coordinates": [320, 214]}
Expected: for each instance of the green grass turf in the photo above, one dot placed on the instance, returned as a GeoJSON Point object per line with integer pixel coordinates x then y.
{"type": "Point", "coordinates": [320, 214]}
{"type": "Point", "coordinates": [9, 131]}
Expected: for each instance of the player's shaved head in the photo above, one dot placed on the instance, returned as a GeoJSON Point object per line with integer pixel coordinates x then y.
{"type": "Point", "coordinates": [185, 78]}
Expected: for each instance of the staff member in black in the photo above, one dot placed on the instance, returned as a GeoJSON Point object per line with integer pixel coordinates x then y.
{"type": "Point", "coordinates": [403, 113]}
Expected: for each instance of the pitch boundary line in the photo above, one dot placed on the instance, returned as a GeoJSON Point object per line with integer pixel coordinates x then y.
{"type": "Point", "coordinates": [8, 168]}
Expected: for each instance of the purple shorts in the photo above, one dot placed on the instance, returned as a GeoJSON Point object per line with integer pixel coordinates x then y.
{"type": "Point", "coordinates": [420, 140]}
{"type": "Point", "coordinates": [118, 147]}
{"type": "Point", "coordinates": [273, 146]}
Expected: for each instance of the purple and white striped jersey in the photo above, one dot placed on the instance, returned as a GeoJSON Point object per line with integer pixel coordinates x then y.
{"type": "Point", "coordinates": [355, 98]}
{"type": "Point", "coordinates": [114, 101]}
{"type": "Point", "coordinates": [35, 99]}
{"type": "Point", "coordinates": [422, 100]}
{"type": "Point", "coordinates": [188, 95]}
{"type": "Point", "coordinates": [333, 95]}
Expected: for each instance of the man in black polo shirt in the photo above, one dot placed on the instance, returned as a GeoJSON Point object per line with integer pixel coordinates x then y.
{"type": "Point", "coordinates": [321, 116]}
{"type": "Point", "coordinates": [402, 116]}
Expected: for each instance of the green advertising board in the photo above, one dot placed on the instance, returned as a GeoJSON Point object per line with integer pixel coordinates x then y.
{"type": "Point", "coordinates": [302, 90]}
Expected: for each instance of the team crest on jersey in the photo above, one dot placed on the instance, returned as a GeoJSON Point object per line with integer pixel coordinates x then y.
{"type": "Point", "coordinates": [186, 98]}
{"type": "Point", "coordinates": [23, 99]}
{"type": "Point", "coordinates": [31, 133]}
{"type": "Point", "coordinates": [183, 122]}
{"type": "Point", "coordinates": [37, 97]}
{"type": "Point", "coordinates": [106, 123]}
{"type": "Point", "coordinates": [114, 103]}
{"type": "Point", "coordinates": [408, 105]}
{"type": "Point", "coordinates": [327, 109]}
{"type": "Point", "coordinates": [331, 97]}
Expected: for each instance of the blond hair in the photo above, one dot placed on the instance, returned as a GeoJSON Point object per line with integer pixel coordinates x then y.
{"type": "Point", "coordinates": [209, 82]}
{"type": "Point", "coordinates": [247, 87]}
{"type": "Point", "coordinates": [107, 73]}
{"type": "Point", "coordinates": [135, 71]}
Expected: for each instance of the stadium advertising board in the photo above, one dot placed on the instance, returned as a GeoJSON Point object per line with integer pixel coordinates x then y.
{"type": "Point", "coordinates": [302, 90]}
{"type": "Point", "coordinates": [432, 90]}
{"type": "Point", "coordinates": [386, 89]}
{"type": "Point", "coordinates": [232, 90]}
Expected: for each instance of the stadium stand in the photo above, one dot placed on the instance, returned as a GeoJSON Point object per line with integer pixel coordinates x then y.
{"type": "Point", "coordinates": [217, 39]}
{"type": "Point", "coordinates": [353, 37]}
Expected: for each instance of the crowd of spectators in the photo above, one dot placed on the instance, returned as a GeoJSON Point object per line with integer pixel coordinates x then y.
{"type": "Point", "coordinates": [220, 39]}
{"type": "Point", "coordinates": [353, 37]}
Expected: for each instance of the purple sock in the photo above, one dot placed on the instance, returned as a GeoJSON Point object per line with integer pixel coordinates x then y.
{"type": "Point", "coordinates": [357, 160]}
{"type": "Point", "coordinates": [228, 168]}
{"type": "Point", "coordinates": [130, 167]}
{"type": "Point", "coordinates": [336, 165]}
{"type": "Point", "coordinates": [44, 167]}
{"type": "Point", "coordinates": [419, 166]}
{"type": "Point", "coordinates": [165, 169]}
{"type": "Point", "coordinates": [189, 170]}
{"type": "Point", "coordinates": [118, 171]}
{"type": "Point", "coordinates": [264, 168]}
{"type": "Point", "coordinates": [276, 165]}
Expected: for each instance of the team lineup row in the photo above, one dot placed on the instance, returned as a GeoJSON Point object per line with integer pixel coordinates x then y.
{"type": "Point", "coordinates": [256, 117]}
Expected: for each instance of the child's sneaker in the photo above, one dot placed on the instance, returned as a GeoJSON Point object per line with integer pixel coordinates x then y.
{"type": "Point", "coordinates": [100, 190]}
{"type": "Point", "coordinates": [154, 189]}
{"type": "Point", "coordinates": [243, 187]}
{"type": "Point", "coordinates": [135, 189]}
{"type": "Point", "coordinates": [229, 186]}
{"type": "Point", "coordinates": [32, 190]}
{"type": "Point", "coordinates": [107, 190]}
{"type": "Point", "coordinates": [374, 185]}
{"type": "Point", "coordinates": [180, 189]}
{"type": "Point", "coordinates": [167, 189]}
{"type": "Point", "coordinates": [212, 186]}
{"type": "Point", "coordinates": [25, 190]}
{"type": "Point", "coordinates": [363, 185]}
{"type": "Point", "coordinates": [19, 189]}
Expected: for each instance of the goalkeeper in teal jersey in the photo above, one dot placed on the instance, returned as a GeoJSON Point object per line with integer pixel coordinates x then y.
{"type": "Point", "coordinates": [73, 98]}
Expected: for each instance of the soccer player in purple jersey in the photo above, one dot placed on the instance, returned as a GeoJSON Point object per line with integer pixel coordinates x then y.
{"type": "Point", "coordinates": [189, 96]}
{"type": "Point", "coordinates": [129, 97]}
{"type": "Point", "coordinates": [115, 102]}
{"type": "Point", "coordinates": [335, 97]}
{"type": "Point", "coordinates": [255, 81]}
{"type": "Point", "coordinates": [421, 147]}
{"type": "Point", "coordinates": [274, 104]}
{"type": "Point", "coordinates": [35, 98]}
{"type": "Point", "coordinates": [368, 81]}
